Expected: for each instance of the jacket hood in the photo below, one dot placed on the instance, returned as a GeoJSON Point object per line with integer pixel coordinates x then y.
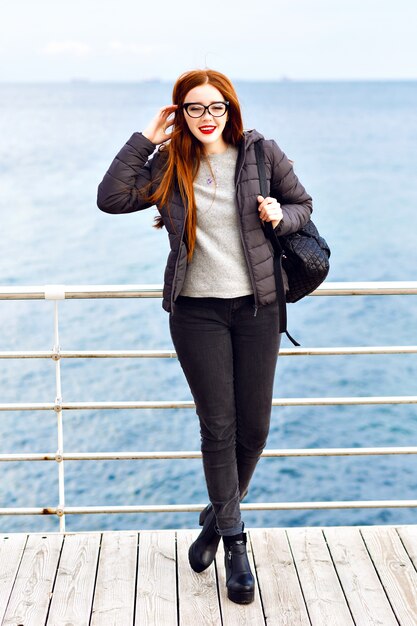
{"type": "Point", "coordinates": [250, 136]}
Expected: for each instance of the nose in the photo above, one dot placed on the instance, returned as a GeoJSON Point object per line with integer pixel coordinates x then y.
{"type": "Point", "coordinates": [207, 116]}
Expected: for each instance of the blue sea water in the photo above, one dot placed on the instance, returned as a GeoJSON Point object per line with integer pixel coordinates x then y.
{"type": "Point", "coordinates": [355, 150]}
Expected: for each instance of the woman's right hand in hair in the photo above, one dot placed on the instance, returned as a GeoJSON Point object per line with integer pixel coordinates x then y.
{"type": "Point", "coordinates": [156, 129]}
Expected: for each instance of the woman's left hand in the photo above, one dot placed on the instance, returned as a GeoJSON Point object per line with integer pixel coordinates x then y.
{"type": "Point", "coordinates": [270, 210]}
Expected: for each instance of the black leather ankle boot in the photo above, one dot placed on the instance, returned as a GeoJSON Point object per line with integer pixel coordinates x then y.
{"type": "Point", "coordinates": [203, 550]}
{"type": "Point", "coordinates": [240, 582]}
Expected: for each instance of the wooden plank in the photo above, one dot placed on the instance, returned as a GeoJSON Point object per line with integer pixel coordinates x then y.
{"type": "Point", "coordinates": [31, 594]}
{"type": "Point", "coordinates": [238, 614]}
{"type": "Point", "coordinates": [364, 592]}
{"type": "Point", "coordinates": [197, 593]}
{"type": "Point", "coordinates": [395, 570]}
{"type": "Point", "coordinates": [156, 600]}
{"type": "Point", "coordinates": [74, 587]}
{"type": "Point", "coordinates": [11, 551]}
{"type": "Point", "coordinates": [408, 536]}
{"type": "Point", "coordinates": [281, 560]}
{"type": "Point", "coordinates": [324, 598]}
{"type": "Point", "coordinates": [282, 599]}
{"type": "Point", "coordinates": [114, 597]}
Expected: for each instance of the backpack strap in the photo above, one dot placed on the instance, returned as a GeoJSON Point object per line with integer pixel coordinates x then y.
{"type": "Point", "coordinates": [278, 250]}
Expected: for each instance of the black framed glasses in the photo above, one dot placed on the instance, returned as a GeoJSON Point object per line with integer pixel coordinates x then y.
{"type": "Point", "coordinates": [216, 109]}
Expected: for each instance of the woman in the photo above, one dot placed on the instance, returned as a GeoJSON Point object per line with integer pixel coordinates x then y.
{"type": "Point", "coordinates": [219, 286]}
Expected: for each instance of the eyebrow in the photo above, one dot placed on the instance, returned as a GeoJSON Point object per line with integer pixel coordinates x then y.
{"type": "Point", "coordinates": [213, 102]}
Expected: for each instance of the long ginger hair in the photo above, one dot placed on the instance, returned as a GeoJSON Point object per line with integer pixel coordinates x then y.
{"type": "Point", "coordinates": [184, 151]}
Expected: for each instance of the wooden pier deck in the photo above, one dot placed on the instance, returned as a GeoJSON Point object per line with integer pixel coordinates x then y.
{"type": "Point", "coordinates": [327, 576]}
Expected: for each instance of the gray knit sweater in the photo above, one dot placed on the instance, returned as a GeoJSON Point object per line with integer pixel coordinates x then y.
{"type": "Point", "coordinates": [218, 267]}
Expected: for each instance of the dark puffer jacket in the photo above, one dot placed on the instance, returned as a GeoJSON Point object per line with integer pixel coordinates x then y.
{"type": "Point", "coordinates": [132, 169]}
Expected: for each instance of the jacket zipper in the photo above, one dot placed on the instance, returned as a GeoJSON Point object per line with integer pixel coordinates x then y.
{"type": "Point", "coordinates": [177, 262]}
{"type": "Point", "coordinates": [252, 278]}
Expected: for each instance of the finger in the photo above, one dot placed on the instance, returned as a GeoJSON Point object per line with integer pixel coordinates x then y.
{"type": "Point", "coordinates": [169, 122]}
{"type": "Point", "coordinates": [169, 106]}
{"type": "Point", "coordinates": [166, 121]}
{"type": "Point", "coordinates": [169, 109]}
{"type": "Point", "coordinates": [266, 206]}
{"type": "Point", "coordinates": [265, 202]}
{"type": "Point", "coordinates": [270, 214]}
{"type": "Point", "coordinates": [262, 202]}
{"type": "Point", "coordinates": [265, 216]}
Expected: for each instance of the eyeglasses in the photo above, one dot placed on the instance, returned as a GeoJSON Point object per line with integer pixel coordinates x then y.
{"type": "Point", "coordinates": [216, 109]}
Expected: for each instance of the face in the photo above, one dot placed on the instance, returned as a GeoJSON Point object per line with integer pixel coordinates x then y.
{"type": "Point", "coordinates": [208, 129]}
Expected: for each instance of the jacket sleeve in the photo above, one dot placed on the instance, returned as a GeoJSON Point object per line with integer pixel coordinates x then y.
{"type": "Point", "coordinates": [296, 203]}
{"type": "Point", "coordinates": [130, 171]}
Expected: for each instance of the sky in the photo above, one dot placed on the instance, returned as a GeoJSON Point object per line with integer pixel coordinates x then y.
{"type": "Point", "coordinates": [131, 40]}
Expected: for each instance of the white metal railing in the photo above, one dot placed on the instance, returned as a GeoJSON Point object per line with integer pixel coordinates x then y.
{"type": "Point", "coordinates": [62, 292]}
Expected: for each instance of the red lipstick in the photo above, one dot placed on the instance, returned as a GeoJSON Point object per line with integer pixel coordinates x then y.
{"type": "Point", "coordinates": [207, 130]}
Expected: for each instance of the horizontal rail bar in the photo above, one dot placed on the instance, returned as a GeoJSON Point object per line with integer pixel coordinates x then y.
{"type": "Point", "coordinates": [373, 288]}
{"type": "Point", "coordinates": [190, 508]}
{"type": "Point", "coordinates": [71, 292]}
{"type": "Point", "coordinates": [171, 354]}
{"type": "Point", "coordinates": [59, 292]}
{"type": "Point", "coordinates": [39, 292]}
{"type": "Point", "coordinates": [195, 454]}
{"type": "Point", "coordinates": [189, 404]}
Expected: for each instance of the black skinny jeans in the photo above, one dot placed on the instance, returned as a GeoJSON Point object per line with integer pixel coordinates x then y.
{"type": "Point", "coordinates": [229, 357]}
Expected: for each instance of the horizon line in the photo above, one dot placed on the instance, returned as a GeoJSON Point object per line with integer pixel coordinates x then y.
{"type": "Point", "coordinates": [284, 79]}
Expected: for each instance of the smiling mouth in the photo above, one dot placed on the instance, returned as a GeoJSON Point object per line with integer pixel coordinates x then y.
{"type": "Point", "coordinates": [207, 130]}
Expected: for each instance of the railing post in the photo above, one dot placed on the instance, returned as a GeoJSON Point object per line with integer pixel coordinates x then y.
{"type": "Point", "coordinates": [55, 293]}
